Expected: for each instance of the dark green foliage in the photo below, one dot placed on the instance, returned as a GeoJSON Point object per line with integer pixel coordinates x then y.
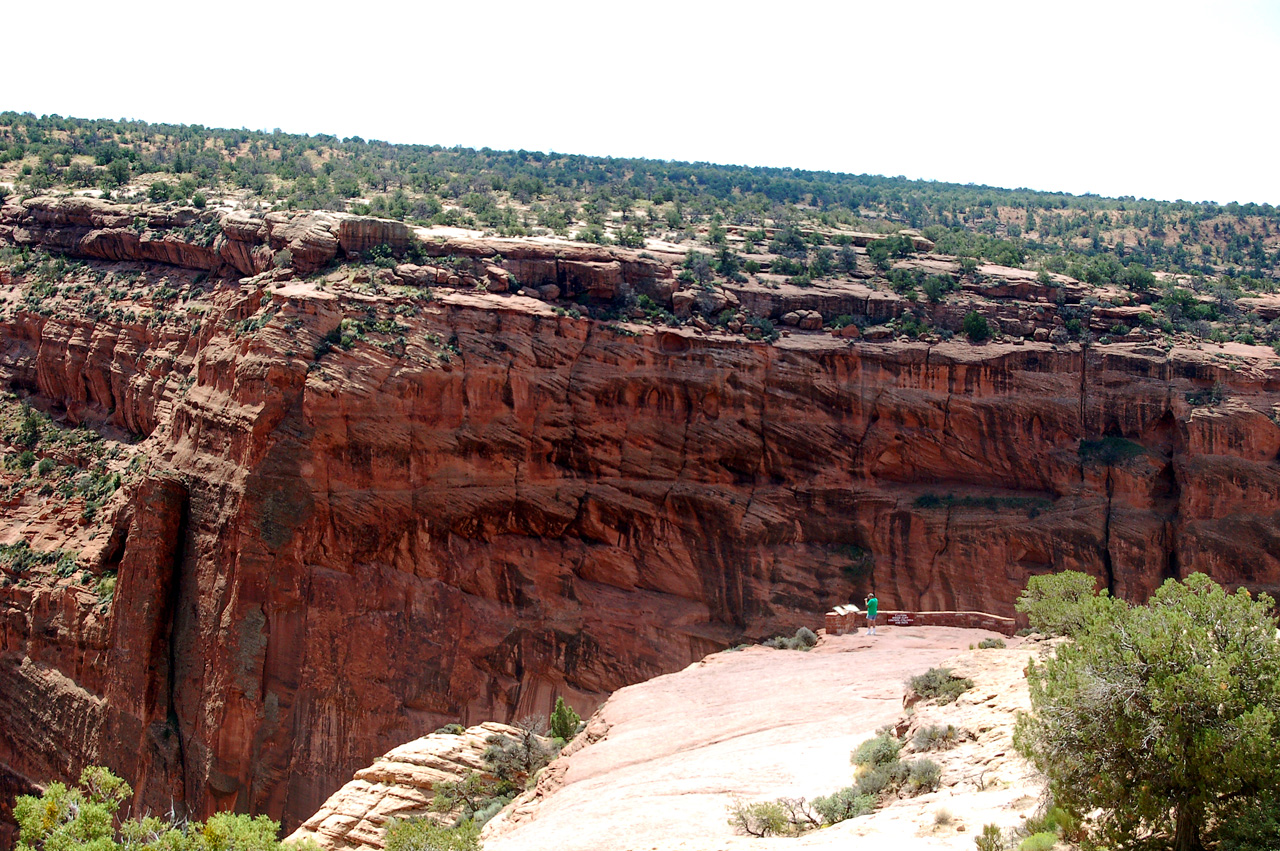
{"type": "Point", "coordinates": [564, 721]}
{"type": "Point", "coordinates": [991, 644]}
{"type": "Point", "coordinates": [975, 326]}
{"type": "Point", "coordinates": [1109, 450]}
{"type": "Point", "coordinates": [936, 287]}
{"type": "Point", "coordinates": [940, 685]}
{"type": "Point", "coordinates": [856, 562]}
{"type": "Point", "coordinates": [1162, 722]}
{"type": "Point", "coordinates": [883, 251]}
{"type": "Point", "coordinates": [1064, 603]}
{"type": "Point", "coordinates": [1209, 396]}
{"type": "Point", "coordinates": [1032, 505]}
{"type": "Point", "coordinates": [29, 427]}
{"type": "Point", "coordinates": [452, 730]}
{"type": "Point", "coordinates": [381, 255]}
{"type": "Point", "coordinates": [1251, 825]}
{"type": "Point", "coordinates": [19, 557]}
{"type": "Point", "coordinates": [843, 804]}
{"type": "Point", "coordinates": [65, 818]}
{"type": "Point", "coordinates": [763, 327]}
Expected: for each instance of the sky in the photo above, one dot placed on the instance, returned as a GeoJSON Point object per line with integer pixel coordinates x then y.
{"type": "Point", "coordinates": [1168, 100]}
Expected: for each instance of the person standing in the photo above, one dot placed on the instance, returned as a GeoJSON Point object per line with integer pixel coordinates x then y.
{"type": "Point", "coordinates": [873, 608]}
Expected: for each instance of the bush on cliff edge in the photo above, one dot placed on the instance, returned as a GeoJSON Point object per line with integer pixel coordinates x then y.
{"type": "Point", "coordinates": [1159, 725]}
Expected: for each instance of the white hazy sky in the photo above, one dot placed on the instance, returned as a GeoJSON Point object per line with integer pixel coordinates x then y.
{"type": "Point", "coordinates": [1163, 100]}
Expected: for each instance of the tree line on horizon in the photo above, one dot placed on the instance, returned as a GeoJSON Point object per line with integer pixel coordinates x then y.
{"type": "Point", "coordinates": [600, 199]}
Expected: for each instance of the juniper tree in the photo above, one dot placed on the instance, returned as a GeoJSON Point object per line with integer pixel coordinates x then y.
{"type": "Point", "coordinates": [1163, 721]}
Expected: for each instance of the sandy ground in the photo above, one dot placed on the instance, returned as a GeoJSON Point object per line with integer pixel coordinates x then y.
{"type": "Point", "coordinates": [762, 724]}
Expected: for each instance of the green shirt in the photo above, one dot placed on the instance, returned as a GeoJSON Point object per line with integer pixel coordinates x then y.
{"type": "Point", "coordinates": [873, 606]}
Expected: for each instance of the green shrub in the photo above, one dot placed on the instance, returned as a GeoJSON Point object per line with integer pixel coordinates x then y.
{"type": "Point", "coordinates": [940, 685]}
{"type": "Point", "coordinates": [992, 839]}
{"type": "Point", "coordinates": [975, 326]}
{"type": "Point", "coordinates": [1051, 820]}
{"type": "Point", "coordinates": [925, 775]}
{"type": "Point", "coordinates": [885, 777]}
{"type": "Point", "coordinates": [1065, 603]}
{"type": "Point", "coordinates": [804, 639]}
{"type": "Point", "coordinates": [991, 644]}
{"type": "Point", "coordinates": [85, 817]}
{"type": "Point", "coordinates": [1251, 825]}
{"type": "Point", "coordinates": [1177, 701]}
{"type": "Point", "coordinates": [106, 589]}
{"type": "Point", "coordinates": [936, 738]}
{"type": "Point", "coordinates": [452, 729]}
{"type": "Point", "coordinates": [1039, 842]}
{"type": "Point", "coordinates": [514, 759]}
{"type": "Point", "coordinates": [564, 721]}
{"type": "Point", "coordinates": [422, 834]}
{"type": "Point", "coordinates": [881, 750]}
{"type": "Point", "coordinates": [843, 804]}
{"type": "Point", "coordinates": [763, 818]}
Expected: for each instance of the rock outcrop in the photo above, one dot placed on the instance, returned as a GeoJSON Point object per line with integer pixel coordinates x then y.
{"type": "Point", "coordinates": [661, 762]}
{"type": "Point", "coordinates": [398, 785]}
{"type": "Point", "coordinates": [374, 506]}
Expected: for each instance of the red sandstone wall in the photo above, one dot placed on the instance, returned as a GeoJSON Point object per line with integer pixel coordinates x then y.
{"type": "Point", "coordinates": [332, 558]}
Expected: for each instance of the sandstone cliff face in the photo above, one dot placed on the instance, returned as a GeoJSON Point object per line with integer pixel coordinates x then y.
{"type": "Point", "coordinates": [484, 502]}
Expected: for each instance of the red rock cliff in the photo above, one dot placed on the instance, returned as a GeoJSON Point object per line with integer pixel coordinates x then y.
{"type": "Point", "coordinates": [487, 503]}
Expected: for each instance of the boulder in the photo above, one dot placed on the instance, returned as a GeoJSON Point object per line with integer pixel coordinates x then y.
{"type": "Point", "coordinates": [791, 317]}
{"type": "Point", "coordinates": [810, 320]}
{"type": "Point", "coordinates": [308, 238]}
{"type": "Point", "coordinates": [682, 302]}
{"type": "Point", "coordinates": [497, 279]}
{"type": "Point", "coordinates": [358, 234]}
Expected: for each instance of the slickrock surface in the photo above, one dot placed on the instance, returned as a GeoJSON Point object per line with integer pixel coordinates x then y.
{"type": "Point", "coordinates": [374, 501]}
{"type": "Point", "coordinates": [399, 784]}
{"type": "Point", "coordinates": [663, 760]}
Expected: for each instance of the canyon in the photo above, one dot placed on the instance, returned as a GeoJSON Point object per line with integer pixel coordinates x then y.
{"type": "Point", "coordinates": [364, 497]}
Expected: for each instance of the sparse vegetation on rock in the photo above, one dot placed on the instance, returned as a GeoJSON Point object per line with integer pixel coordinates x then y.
{"type": "Point", "coordinates": [420, 834]}
{"type": "Point", "coordinates": [939, 684]}
{"type": "Point", "coordinates": [803, 639]}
